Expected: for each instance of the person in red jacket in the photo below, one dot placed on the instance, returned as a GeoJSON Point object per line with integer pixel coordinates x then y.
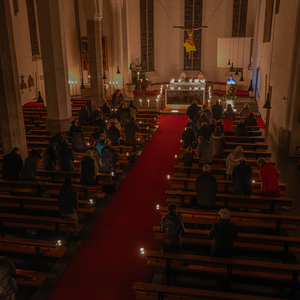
{"type": "Point", "coordinates": [227, 122]}
{"type": "Point", "coordinates": [269, 179]}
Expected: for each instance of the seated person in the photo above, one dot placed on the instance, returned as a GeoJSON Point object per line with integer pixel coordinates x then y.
{"type": "Point", "coordinates": [230, 111]}
{"type": "Point", "coordinates": [245, 111]}
{"type": "Point", "coordinates": [68, 200]}
{"type": "Point", "coordinates": [31, 164]}
{"type": "Point", "coordinates": [204, 151]}
{"type": "Point", "coordinates": [188, 157]}
{"type": "Point", "coordinates": [172, 225]}
{"type": "Point", "coordinates": [79, 140]}
{"type": "Point", "coordinates": [223, 233]}
{"type": "Point", "coordinates": [72, 127]}
{"type": "Point", "coordinates": [8, 286]}
{"type": "Point", "coordinates": [242, 179]}
{"type": "Point", "coordinates": [240, 129]}
{"type": "Point", "coordinates": [114, 134]}
{"type": "Point", "coordinates": [109, 158]}
{"type": "Point", "coordinates": [12, 165]}
{"type": "Point", "coordinates": [88, 169]}
{"type": "Point", "coordinates": [250, 120]}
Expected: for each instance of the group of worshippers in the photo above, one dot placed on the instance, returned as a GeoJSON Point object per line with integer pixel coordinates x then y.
{"type": "Point", "coordinates": [210, 145]}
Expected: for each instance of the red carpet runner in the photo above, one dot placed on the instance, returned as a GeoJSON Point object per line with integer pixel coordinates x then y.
{"type": "Point", "coordinates": [108, 262]}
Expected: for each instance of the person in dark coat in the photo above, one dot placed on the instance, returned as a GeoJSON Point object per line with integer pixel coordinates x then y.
{"type": "Point", "coordinates": [206, 188]}
{"type": "Point", "coordinates": [72, 127]}
{"type": "Point", "coordinates": [31, 164]}
{"type": "Point", "coordinates": [101, 144]}
{"type": "Point", "coordinates": [188, 137]}
{"type": "Point", "coordinates": [66, 156]}
{"type": "Point", "coordinates": [130, 131]}
{"type": "Point", "coordinates": [223, 233]}
{"type": "Point", "coordinates": [217, 110]}
{"type": "Point", "coordinates": [79, 140]}
{"type": "Point", "coordinates": [192, 110]}
{"type": "Point", "coordinates": [105, 108]}
{"type": "Point", "coordinates": [250, 120]}
{"type": "Point", "coordinates": [68, 200]}
{"type": "Point", "coordinates": [57, 139]}
{"type": "Point", "coordinates": [230, 111]}
{"type": "Point", "coordinates": [90, 109]}
{"type": "Point", "coordinates": [204, 131]}
{"type": "Point", "coordinates": [114, 118]}
{"type": "Point", "coordinates": [8, 286]}
{"type": "Point", "coordinates": [172, 226]}
{"type": "Point", "coordinates": [217, 141]}
{"type": "Point", "coordinates": [100, 123]}
{"type": "Point", "coordinates": [96, 134]}
{"type": "Point", "coordinates": [207, 111]}
{"type": "Point", "coordinates": [125, 115]}
{"type": "Point", "coordinates": [202, 119]}
{"type": "Point", "coordinates": [95, 114]}
{"type": "Point", "coordinates": [188, 157]}
{"type": "Point", "coordinates": [109, 158]}
{"type": "Point", "coordinates": [49, 158]}
{"type": "Point", "coordinates": [114, 134]}
{"type": "Point", "coordinates": [83, 116]}
{"type": "Point", "coordinates": [195, 119]}
{"type": "Point", "coordinates": [133, 110]}
{"type": "Point", "coordinates": [204, 151]}
{"type": "Point", "coordinates": [242, 179]}
{"type": "Point", "coordinates": [212, 125]}
{"type": "Point", "coordinates": [88, 169]}
{"type": "Point", "coordinates": [12, 165]}
{"type": "Point", "coordinates": [115, 99]}
{"type": "Point", "coordinates": [240, 129]}
{"type": "Point", "coordinates": [95, 151]}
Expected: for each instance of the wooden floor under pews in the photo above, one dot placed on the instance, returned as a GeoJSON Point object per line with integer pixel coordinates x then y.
{"type": "Point", "coordinates": [33, 235]}
{"type": "Point", "coordinates": [264, 264]}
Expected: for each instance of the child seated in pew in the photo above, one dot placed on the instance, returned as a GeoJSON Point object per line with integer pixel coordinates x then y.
{"type": "Point", "coordinates": [8, 286]}
{"type": "Point", "coordinates": [223, 233]}
{"type": "Point", "coordinates": [172, 225]}
{"type": "Point", "coordinates": [188, 157]}
{"type": "Point", "coordinates": [68, 200]}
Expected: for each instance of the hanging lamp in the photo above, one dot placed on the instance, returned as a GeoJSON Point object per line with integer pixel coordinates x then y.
{"type": "Point", "coordinates": [104, 76]}
{"type": "Point", "coordinates": [118, 71]}
{"type": "Point", "coordinates": [242, 77]}
{"type": "Point", "coordinates": [268, 103]}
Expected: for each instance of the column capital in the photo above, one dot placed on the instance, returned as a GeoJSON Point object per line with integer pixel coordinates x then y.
{"type": "Point", "coordinates": [93, 9]}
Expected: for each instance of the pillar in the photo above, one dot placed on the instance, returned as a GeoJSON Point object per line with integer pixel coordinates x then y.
{"type": "Point", "coordinates": [54, 58]}
{"type": "Point", "coordinates": [117, 16]}
{"type": "Point", "coordinates": [94, 35]}
{"type": "Point", "coordinates": [11, 120]}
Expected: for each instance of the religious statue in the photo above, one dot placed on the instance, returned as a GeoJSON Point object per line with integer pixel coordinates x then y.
{"type": "Point", "coordinates": [182, 76]}
{"type": "Point", "coordinates": [23, 84]}
{"type": "Point", "coordinates": [200, 76]}
{"type": "Point", "coordinates": [189, 44]}
{"type": "Point", "coordinates": [30, 82]}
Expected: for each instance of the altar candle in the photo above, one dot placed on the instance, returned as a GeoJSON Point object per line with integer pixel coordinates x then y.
{"type": "Point", "coordinates": [138, 76]}
{"type": "Point", "coordinates": [141, 102]}
{"type": "Point", "coordinates": [148, 103]}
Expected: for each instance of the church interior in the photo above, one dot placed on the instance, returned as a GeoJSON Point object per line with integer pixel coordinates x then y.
{"type": "Point", "coordinates": [136, 68]}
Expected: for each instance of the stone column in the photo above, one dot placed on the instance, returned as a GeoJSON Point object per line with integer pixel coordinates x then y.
{"type": "Point", "coordinates": [117, 16]}
{"type": "Point", "coordinates": [94, 35]}
{"type": "Point", "coordinates": [54, 58]}
{"type": "Point", "coordinates": [11, 116]}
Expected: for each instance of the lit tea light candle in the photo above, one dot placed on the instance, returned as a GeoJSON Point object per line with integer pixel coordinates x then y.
{"type": "Point", "coordinates": [58, 243]}
{"type": "Point", "coordinates": [157, 206]}
{"type": "Point", "coordinates": [168, 176]}
{"type": "Point", "coordinates": [140, 102]}
{"type": "Point", "coordinates": [175, 155]}
{"type": "Point", "coordinates": [91, 201]}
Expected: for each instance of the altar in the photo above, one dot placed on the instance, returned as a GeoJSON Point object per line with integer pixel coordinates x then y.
{"type": "Point", "coordinates": [183, 93]}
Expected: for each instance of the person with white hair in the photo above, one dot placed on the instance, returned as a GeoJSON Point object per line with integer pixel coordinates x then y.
{"type": "Point", "coordinates": [192, 110]}
{"type": "Point", "coordinates": [206, 188]}
{"type": "Point", "coordinates": [233, 159]}
{"type": "Point", "coordinates": [245, 111]}
{"type": "Point", "coordinates": [223, 233]}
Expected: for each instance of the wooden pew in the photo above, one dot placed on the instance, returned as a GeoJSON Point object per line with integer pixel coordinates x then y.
{"type": "Point", "coordinates": [259, 270]}
{"type": "Point", "coordinates": [31, 247]}
{"type": "Point", "coordinates": [144, 291]}
{"type": "Point", "coordinates": [284, 245]}
{"type": "Point", "coordinates": [231, 200]}
{"type": "Point", "coordinates": [240, 219]}
{"type": "Point", "coordinates": [38, 222]}
{"type": "Point", "coordinates": [29, 278]}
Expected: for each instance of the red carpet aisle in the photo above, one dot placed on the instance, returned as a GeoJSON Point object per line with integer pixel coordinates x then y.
{"type": "Point", "coordinates": [261, 123]}
{"type": "Point", "coordinates": [108, 262]}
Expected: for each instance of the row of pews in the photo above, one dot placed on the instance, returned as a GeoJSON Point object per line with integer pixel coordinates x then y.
{"type": "Point", "coordinates": [32, 233]}
{"type": "Point", "coordinates": [263, 265]}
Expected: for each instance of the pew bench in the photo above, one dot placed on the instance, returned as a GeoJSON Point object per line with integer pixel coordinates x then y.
{"type": "Point", "coordinates": [31, 247]}
{"type": "Point", "coordinates": [231, 200]}
{"type": "Point", "coordinates": [29, 278]}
